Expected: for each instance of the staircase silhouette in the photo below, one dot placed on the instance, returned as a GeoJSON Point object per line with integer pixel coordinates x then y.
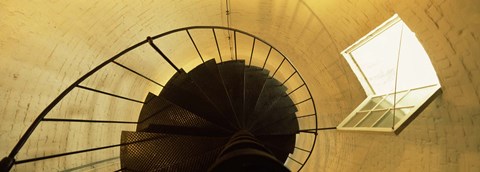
{"type": "Point", "coordinates": [226, 116]}
{"type": "Point", "coordinates": [198, 114]}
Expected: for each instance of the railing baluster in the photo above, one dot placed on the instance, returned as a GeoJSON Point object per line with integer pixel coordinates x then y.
{"type": "Point", "coordinates": [317, 129]}
{"type": "Point", "coordinates": [150, 41]}
{"type": "Point", "coordinates": [302, 149]}
{"type": "Point", "coordinates": [81, 151]}
{"type": "Point", "coordinates": [195, 45]}
{"type": "Point", "coordinates": [268, 55]}
{"type": "Point", "coordinates": [276, 70]}
{"type": "Point", "coordinates": [304, 116]}
{"type": "Point", "coordinates": [139, 74]}
{"type": "Point", "coordinates": [235, 43]}
{"type": "Point", "coordinates": [216, 42]}
{"type": "Point", "coordinates": [295, 160]}
{"type": "Point", "coordinates": [307, 131]}
{"type": "Point", "coordinates": [295, 89]}
{"type": "Point", "coordinates": [88, 121]}
{"type": "Point", "coordinates": [110, 94]}
{"type": "Point", "coordinates": [251, 54]}
{"type": "Point", "coordinates": [289, 77]}
{"type": "Point", "coordinates": [302, 101]}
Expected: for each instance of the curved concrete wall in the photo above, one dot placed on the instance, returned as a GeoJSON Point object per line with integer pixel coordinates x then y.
{"type": "Point", "coordinates": [45, 46]}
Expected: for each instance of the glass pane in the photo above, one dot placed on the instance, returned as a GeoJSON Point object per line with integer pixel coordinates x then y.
{"type": "Point", "coordinates": [387, 120]}
{"type": "Point", "coordinates": [415, 68]}
{"type": "Point", "coordinates": [371, 104]}
{"type": "Point", "coordinates": [371, 118]}
{"type": "Point", "coordinates": [378, 57]}
{"type": "Point", "coordinates": [358, 116]}
{"type": "Point", "coordinates": [377, 60]}
{"type": "Point", "coordinates": [414, 97]}
{"type": "Point", "coordinates": [388, 102]}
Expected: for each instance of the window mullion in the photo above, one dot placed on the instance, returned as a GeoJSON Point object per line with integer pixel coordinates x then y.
{"type": "Point", "coordinates": [375, 123]}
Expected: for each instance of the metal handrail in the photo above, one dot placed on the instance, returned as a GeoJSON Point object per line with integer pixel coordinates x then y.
{"type": "Point", "coordinates": [7, 163]}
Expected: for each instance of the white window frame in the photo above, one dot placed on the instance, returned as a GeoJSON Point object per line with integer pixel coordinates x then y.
{"type": "Point", "coordinates": [433, 90]}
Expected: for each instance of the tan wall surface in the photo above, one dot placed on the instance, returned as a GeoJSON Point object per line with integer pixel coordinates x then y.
{"type": "Point", "coordinates": [47, 45]}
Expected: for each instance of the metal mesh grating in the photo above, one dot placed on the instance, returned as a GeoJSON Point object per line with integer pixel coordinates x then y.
{"type": "Point", "coordinates": [164, 151]}
{"type": "Point", "coordinates": [173, 115]}
{"type": "Point", "coordinates": [196, 163]}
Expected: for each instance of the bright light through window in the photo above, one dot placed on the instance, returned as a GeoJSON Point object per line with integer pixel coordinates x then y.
{"type": "Point", "coordinates": [391, 64]}
{"type": "Point", "coordinates": [377, 58]}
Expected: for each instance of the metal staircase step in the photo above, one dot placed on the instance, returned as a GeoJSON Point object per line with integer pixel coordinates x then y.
{"type": "Point", "coordinates": [282, 127]}
{"type": "Point", "coordinates": [194, 163]}
{"type": "Point", "coordinates": [162, 112]}
{"type": "Point", "coordinates": [156, 151]}
{"type": "Point", "coordinates": [255, 79]}
{"type": "Point", "coordinates": [232, 73]}
{"type": "Point", "coordinates": [149, 108]}
{"type": "Point", "coordinates": [207, 78]}
{"type": "Point", "coordinates": [280, 145]}
{"type": "Point", "coordinates": [186, 130]}
{"type": "Point", "coordinates": [271, 92]}
{"type": "Point", "coordinates": [281, 109]}
{"type": "Point", "coordinates": [183, 92]}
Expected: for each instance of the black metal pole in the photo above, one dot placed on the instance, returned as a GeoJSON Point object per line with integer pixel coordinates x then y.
{"type": "Point", "coordinates": [318, 129]}
{"type": "Point", "coordinates": [268, 55]}
{"type": "Point", "coordinates": [303, 116]}
{"type": "Point", "coordinates": [251, 54]}
{"type": "Point", "coordinates": [110, 94]}
{"type": "Point", "coordinates": [295, 89]}
{"type": "Point", "coordinates": [80, 151]}
{"type": "Point", "coordinates": [295, 160]}
{"type": "Point", "coordinates": [302, 149]}
{"type": "Point", "coordinates": [216, 42]}
{"type": "Point", "coordinates": [289, 77]}
{"type": "Point", "coordinates": [6, 164]}
{"type": "Point", "coordinates": [88, 121]}
{"type": "Point", "coordinates": [150, 41]}
{"type": "Point", "coordinates": [235, 43]}
{"type": "Point", "coordinates": [276, 70]}
{"type": "Point", "coordinates": [195, 45]}
{"type": "Point", "coordinates": [139, 74]}
{"type": "Point", "coordinates": [302, 101]}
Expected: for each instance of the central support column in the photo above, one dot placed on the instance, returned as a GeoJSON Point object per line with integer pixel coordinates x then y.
{"type": "Point", "coordinates": [244, 153]}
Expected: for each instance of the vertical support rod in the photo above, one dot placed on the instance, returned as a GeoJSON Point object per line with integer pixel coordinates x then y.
{"type": "Point", "coordinates": [150, 41]}
{"type": "Point", "coordinates": [82, 151]}
{"type": "Point", "coordinates": [235, 43]}
{"type": "Point", "coordinates": [303, 101]}
{"type": "Point", "coordinates": [110, 94]}
{"type": "Point", "coordinates": [268, 55]}
{"type": "Point", "coordinates": [295, 89]}
{"type": "Point", "coordinates": [135, 72]}
{"type": "Point", "coordinates": [195, 45]}
{"type": "Point", "coordinates": [251, 54]}
{"type": "Point", "coordinates": [276, 70]}
{"type": "Point", "coordinates": [216, 42]}
{"type": "Point", "coordinates": [288, 78]}
{"type": "Point", "coordinates": [294, 160]}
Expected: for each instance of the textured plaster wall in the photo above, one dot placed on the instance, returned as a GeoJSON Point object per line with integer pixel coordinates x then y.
{"type": "Point", "coordinates": [45, 46]}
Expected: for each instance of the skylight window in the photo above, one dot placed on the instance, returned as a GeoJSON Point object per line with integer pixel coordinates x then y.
{"type": "Point", "coordinates": [392, 66]}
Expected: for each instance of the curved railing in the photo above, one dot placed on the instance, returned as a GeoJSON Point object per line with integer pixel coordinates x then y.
{"type": "Point", "coordinates": [307, 133]}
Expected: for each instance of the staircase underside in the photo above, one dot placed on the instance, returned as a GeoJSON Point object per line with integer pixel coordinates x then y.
{"type": "Point", "coordinates": [193, 119]}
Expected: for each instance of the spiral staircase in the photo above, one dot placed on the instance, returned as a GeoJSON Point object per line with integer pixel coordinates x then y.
{"type": "Point", "coordinates": [227, 115]}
